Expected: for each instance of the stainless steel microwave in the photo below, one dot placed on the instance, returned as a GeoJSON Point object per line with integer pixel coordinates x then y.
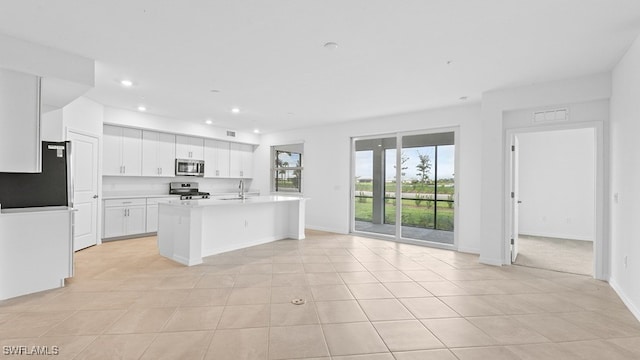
{"type": "Point", "coordinates": [186, 167]}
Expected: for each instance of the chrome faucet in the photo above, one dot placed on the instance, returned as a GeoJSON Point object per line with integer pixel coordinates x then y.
{"type": "Point", "coordinates": [241, 187]}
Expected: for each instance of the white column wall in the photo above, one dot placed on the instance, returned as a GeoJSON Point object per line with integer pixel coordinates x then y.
{"type": "Point", "coordinates": [494, 105]}
{"type": "Point", "coordinates": [625, 179]}
{"type": "Point", "coordinates": [327, 165]}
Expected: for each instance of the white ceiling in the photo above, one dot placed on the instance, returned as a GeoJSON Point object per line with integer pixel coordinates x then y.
{"type": "Point", "coordinates": [268, 59]}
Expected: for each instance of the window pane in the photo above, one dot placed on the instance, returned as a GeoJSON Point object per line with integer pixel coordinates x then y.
{"type": "Point", "coordinates": [288, 159]}
{"type": "Point", "coordinates": [288, 180]}
{"type": "Point", "coordinates": [427, 187]}
{"type": "Point", "coordinates": [374, 179]}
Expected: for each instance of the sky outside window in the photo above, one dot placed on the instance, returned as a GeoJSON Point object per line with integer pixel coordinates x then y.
{"type": "Point", "coordinates": [446, 165]}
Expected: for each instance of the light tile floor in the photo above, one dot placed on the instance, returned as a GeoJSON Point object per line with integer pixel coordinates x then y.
{"type": "Point", "coordinates": [366, 299]}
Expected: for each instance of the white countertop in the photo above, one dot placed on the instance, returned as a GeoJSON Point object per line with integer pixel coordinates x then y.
{"type": "Point", "coordinates": [138, 196]}
{"type": "Point", "coordinates": [114, 197]}
{"type": "Point", "coordinates": [233, 200]}
{"type": "Point", "coordinates": [35, 210]}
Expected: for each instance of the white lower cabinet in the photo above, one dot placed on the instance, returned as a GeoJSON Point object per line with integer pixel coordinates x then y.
{"type": "Point", "coordinates": [123, 217]}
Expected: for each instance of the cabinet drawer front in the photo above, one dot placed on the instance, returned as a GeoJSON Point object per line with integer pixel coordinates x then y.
{"type": "Point", "coordinates": [124, 202]}
{"type": "Point", "coordinates": [156, 201]}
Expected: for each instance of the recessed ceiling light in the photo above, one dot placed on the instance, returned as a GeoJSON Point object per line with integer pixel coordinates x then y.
{"type": "Point", "coordinates": [208, 122]}
{"type": "Point", "coordinates": [126, 83]}
{"type": "Point", "coordinates": [257, 131]}
{"type": "Point", "coordinates": [142, 108]}
{"type": "Point", "coordinates": [235, 110]}
{"type": "Point", "coordinates": [331, 45]}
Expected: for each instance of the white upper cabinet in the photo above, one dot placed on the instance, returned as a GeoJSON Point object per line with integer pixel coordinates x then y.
{"type": "Point", "coordinates": [241, 160]}
{"type": "Point", "coordinates": [216, 158]}
{"type": "Point", "coordinates": [122, 149]}
{"type": "Point", "coordinates": [20, 147]}
{"type": "Point", "coordinates": [188, 147]}
{"type": "Point", "coordinates": [158, 154]}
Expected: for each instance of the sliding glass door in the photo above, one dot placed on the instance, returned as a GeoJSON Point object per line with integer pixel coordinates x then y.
{"type": "Point", "coordinates": [404, 186]}
{"type": "Point", "coordinates": [374, 195]}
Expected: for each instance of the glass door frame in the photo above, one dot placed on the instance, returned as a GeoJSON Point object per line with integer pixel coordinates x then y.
{"type": "Point", "coordinates": [398, 191]}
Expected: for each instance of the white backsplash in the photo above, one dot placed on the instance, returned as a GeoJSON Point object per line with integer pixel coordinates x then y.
{"type": "Point", "coordinates": [140, 185]}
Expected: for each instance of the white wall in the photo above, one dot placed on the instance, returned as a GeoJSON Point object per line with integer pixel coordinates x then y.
{"type": "Point", "coordinates": [51, 126]}
{"type": "Point", "coordinates": [327, 165]}
{"type": "Point", "coordinates": [84, 115]}
{"type": "Point", "coordinates": [557, 184]}
{"type": "Point", "coordinates": [625, 178]}
{"type": "Point", "coordinates": [494, 105]}
{"type": "Point", "coordinates": [115, 116]}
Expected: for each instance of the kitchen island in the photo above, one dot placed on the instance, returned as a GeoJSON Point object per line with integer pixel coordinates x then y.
{"type": "Point", "coordinates": [189, 230]}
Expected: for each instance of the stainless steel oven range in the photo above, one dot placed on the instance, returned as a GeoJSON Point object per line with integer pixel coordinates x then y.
{"type": "Point", "coordinates": [187, 191]}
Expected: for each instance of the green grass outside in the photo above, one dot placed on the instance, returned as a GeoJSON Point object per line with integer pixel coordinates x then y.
{"type": "Point", "coordinates": [412, 214]}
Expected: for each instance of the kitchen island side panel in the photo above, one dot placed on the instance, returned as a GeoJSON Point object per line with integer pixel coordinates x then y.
{"type": "Point", "coordinates": [239, 226]}
{"type": "Point", "coordinates": [190, 230]}
{"type": "Point", "coordinates": [180, 234]}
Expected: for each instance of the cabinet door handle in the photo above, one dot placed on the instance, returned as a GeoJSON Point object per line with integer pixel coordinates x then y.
{"type": "Point", "coordinates": [217, 172]}
{"type": "Point", "coordinates": [160, 170]}
{"type": "Point", "coordinates": [124, 169]}
{"type": "Point", "coordinates": [241, 173]}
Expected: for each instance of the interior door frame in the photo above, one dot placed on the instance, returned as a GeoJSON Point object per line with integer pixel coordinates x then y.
{"type": "Point", "coordinates": [601, 243]}
{"type": "Point", "coordinates": [398, 135]}
{"type": "Point", "coordinates": [67, 131]}
{"type": "Point", "coordinates": [515, 196]}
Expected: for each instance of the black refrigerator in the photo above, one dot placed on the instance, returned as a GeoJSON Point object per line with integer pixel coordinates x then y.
{"type": "Point", "coordinates": [51, 187]}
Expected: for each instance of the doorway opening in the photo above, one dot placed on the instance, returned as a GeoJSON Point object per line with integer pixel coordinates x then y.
{"type": "Point", "coordinates": [553, 200]}
{"type": "Point", "coordinates": [404, 187]}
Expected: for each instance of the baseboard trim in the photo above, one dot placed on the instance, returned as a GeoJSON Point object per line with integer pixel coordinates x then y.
{"type": "Point", "coordinates": [488, 261]}
{"type": "Point", "coordinates": [469, 250]}
{"type": "Point", "coordinates": [322, 228]}
{"type": "Point", "coordinates": [625, 299]}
